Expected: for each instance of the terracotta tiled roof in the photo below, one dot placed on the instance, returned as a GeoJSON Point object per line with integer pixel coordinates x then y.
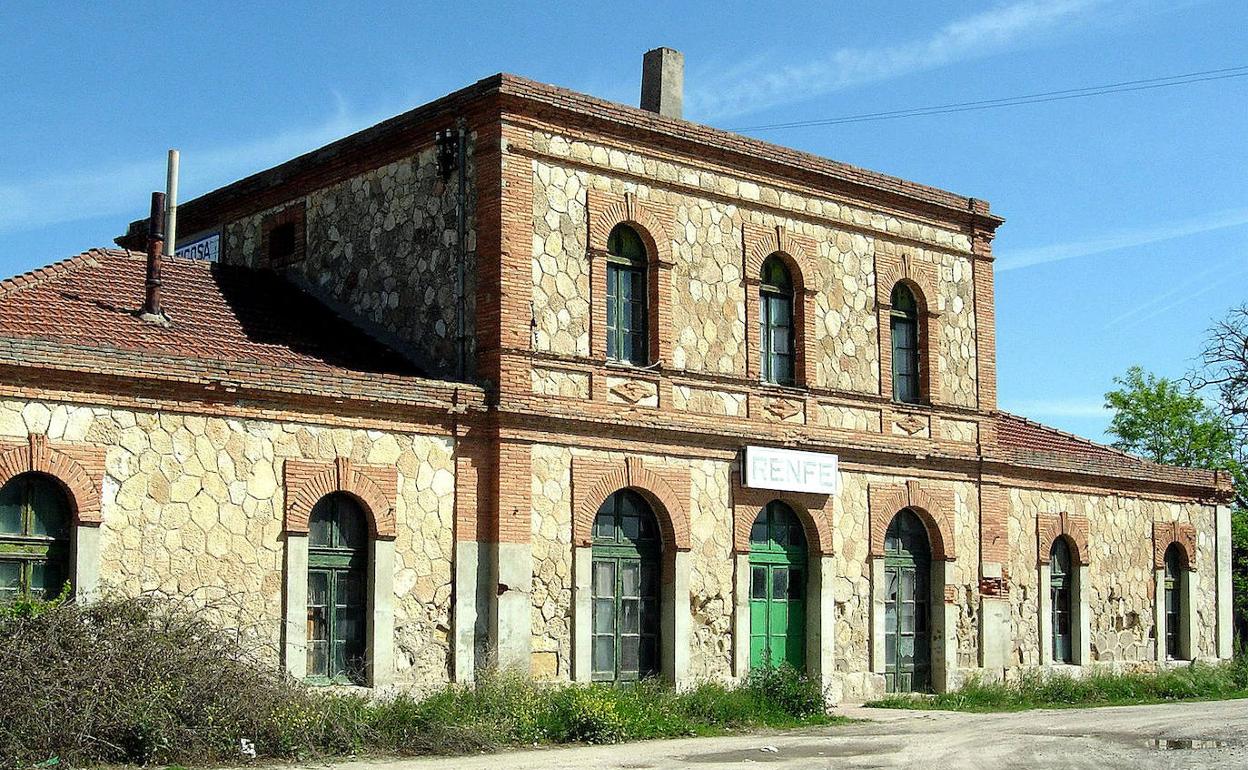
{"type": "Point", "coordinates": [1024, 442]}
{"type": "Point", "coordinates": [217, 314]}
{"type": "Point", "coordinates": [1020, 433]}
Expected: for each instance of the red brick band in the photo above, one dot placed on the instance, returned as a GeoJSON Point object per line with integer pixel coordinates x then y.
{"type": "Point", "coordinates": [374, 487]}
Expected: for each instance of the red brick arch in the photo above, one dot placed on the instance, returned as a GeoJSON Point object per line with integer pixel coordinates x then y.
{"type": "Point", "coordinates": [1051, 526]}
{"type": "Point", "coordinates": [748, 502]}
{"type": "Point", "coordinates": [606, 210]}
{"type": "Point", "coordinates": [667, 492]}
{"type": "Point", "coordinates": [758, 244]}
{"type": "Point", "coordinates": [374, 487]}
{"type": "Point", "coordinates": [77, 469]}
{"type": "Point", "coordinates": [933, 506]}
{"type": "Point", "coordinates": [1167, 533]}
{"type": "Point", "coordinates": [894, 265]}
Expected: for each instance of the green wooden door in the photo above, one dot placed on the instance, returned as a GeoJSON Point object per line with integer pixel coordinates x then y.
{"type": "Point", "coordinates": [625, 590]}
{"type": "Point", "coordinates": [778, 560]}
{"type": "Point", "coordinates": [907, 574]}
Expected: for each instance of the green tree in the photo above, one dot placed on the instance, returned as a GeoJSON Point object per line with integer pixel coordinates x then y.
{"type": "Point", "coordinates": [1167, 422]}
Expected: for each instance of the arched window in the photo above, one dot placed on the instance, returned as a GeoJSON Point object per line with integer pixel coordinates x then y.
{"type": "Point", "coordinates": [1060, 590]}
{"type": "Point", "coordinates": [625, 612]}
{"type": "Point", "coordinates": [337, 590]}
{"type": "Point", "coordinates": [775, 322]}
{"type": "Point", "coordinates": [34, 537]}
{"type": "Point", "coordinates": [627, 297]}
{"type": "Point", "coordinates": [1173, 600]}
{"type": "Point", "coordinates": [777, 588]}
{"type": "Point", "coordinates": [907, 576]}
{"type": "Point", "coordinates": [905, 336]}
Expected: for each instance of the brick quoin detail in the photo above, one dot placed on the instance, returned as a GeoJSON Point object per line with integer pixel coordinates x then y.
{"type": "Point", "coordinates": [606, 210]}
{"type": "Point", "coordinates": [1167, 532]}
{"type": "Point", "coordinates": [985, 319]}
{"type": "Point", "coordinates": [1051, 526]}
{"type": "Point", "coordinates": [78, 469]}
{"type": "Point", "coordinates": [374, 487]}
{"type": "Point", "coordinates": [933, 506]}
{"type": "Point", "coordinates": [994, 545]}
{"type": "Point", "coordinates": [810, 509]}
{"type": "Point", "coordinates": [666, 490]}
{"type": "Point", "coordinates": [759, 243]}
{"type": "Point", "coordinates": [891, 269]}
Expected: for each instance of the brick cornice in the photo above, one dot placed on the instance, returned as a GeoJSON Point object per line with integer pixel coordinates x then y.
{"type": "Point", "coordinates": [79, 469]}
{"type": "Point", "coordinates": [934, 506]}
{"type": "Point", "coordinates": [374, 487]}
{"type": "Point", "coordinates": [1166, 533]}
{"type": "Point", "coordinates": [1051, 526]}
{"type": "Point", "coordinates": [666, 489]}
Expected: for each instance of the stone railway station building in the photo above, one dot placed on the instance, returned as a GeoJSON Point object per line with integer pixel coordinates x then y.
{"type": "Point", "coordinates": [525, 378]}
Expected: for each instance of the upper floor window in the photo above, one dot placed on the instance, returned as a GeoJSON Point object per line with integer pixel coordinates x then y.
{"type": "Point", "coordinates": [905, 336]}
{"type": "Point", "coordinates": [627, 301]}
{"type": "Point", "coordinates": [34, 538]}
{"type": "Point", "coordinates": [775, 322]}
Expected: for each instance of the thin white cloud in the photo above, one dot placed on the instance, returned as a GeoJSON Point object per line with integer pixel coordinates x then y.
{"type": "Point", "coordinates": [122, 189]}
{"type": "Point", "coordinates": [1059, 408]}
{"type": "Point", "coordinates": [1120, 239]}
{"type": "Point", "coordinates": [760, 82]}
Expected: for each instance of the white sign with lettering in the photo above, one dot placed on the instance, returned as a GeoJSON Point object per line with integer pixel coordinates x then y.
{"type": "Point", "coordinates": [207, 248]}
{"type": "Point", "coordinates": [791, 470]}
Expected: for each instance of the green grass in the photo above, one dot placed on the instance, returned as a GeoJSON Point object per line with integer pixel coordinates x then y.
{"type": "Point", "coordinates": [505, 711]}
{"type": "Point", "coordinates": [1035, 690]}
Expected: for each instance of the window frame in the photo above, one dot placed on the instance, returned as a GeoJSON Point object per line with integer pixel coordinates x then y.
{"type": "Point", "coordinates": [907, 319]}
{"type": "Point", "coordinates": [28, 549]}
{"type": "Point", "coordinates": [338, 561]}
{"type": "Point", "coordinates": [1061, 582]}
{"type": "Point", "coordinates": [772, 298]}
{"type": "Point", "coordinates": [627, 344]}
{"type": "Point", "coordinates": [1172, 601]}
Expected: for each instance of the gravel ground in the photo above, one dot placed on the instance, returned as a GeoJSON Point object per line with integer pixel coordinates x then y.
{"type": "Point", "coordinates": [1205, 735]}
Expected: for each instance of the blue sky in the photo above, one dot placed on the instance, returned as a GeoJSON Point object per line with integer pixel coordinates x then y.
{"type": "Point", "coordinates": [1127, 229]}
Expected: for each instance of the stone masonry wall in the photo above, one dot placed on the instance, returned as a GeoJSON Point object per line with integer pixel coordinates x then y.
{"type": "Point", "coordinates": [383, 244]}
{"type": "Point", "coordinates": [1121, 599]}
{"type": "Point", "coordinates": [708, 297]}
{"type": "Point", "coordinates": [192, 507]}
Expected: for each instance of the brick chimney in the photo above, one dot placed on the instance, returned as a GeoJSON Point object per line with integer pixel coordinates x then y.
{"type": "Point", "coordinates": [663, 82]}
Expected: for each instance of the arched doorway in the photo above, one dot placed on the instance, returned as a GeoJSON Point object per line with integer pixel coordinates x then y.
{"type": "Point", "coordinates": [778, 561]}
{"type": "Point", "coordinates": [35, 520]}
{"type": "Point", "coordinates": [625, 573]}
{"type": "Point", "coordinates": [907, 598]}
{"type": "Point", "coordinates": [337, 591]}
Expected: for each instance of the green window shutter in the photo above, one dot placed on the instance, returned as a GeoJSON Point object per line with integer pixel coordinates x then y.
{"type": "Point", "coordinates": [775, 321]}
{"type": "Point", "coordinates": [907, 572]}
{"type": "Point", "coordinates": [628, 313]}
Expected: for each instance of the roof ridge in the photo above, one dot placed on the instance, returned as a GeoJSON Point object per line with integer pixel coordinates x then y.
{"type": "Point", "coordinates": [1076, 437]}
{"type": "Point", "coordinates": [41, 275]}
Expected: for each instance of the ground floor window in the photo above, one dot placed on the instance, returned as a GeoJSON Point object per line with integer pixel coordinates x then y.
{"type": "Point", "coordinates": [1060, 591]}
{"type": "Point", "coordinates": [1173, 601]}
{"type": "Point", "coordinates": [778, 561]}
{"type": "Point", "coordinates": [337, 591]}
{"type": "Point", "coordinates": [35, 519]}
{"type": "Point", "coordinates": [907, 575]}
{"type": "Point", "coordinates": [625, 589]}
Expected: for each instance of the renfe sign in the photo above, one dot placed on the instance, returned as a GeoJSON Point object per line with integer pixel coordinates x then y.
{"type": "Point", "coordinates": [791, 470]}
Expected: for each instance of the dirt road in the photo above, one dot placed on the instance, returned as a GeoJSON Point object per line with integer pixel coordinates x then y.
{"type": "Point", "coordinates": [1205, 735]}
